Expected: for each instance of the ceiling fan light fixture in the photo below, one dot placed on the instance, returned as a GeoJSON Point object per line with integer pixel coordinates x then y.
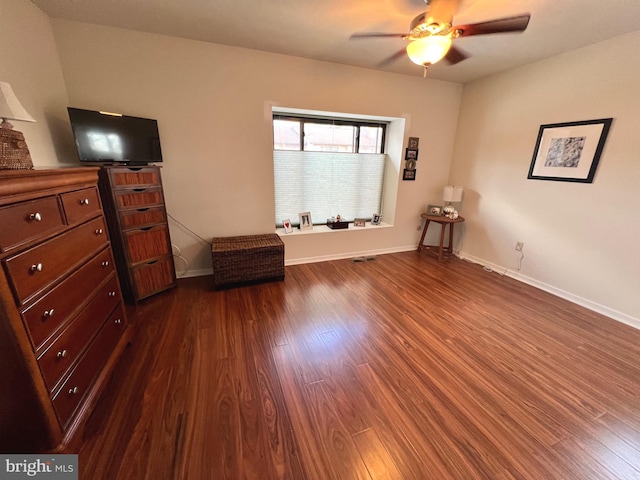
{"type": "Point", "coordinates": [429, 50]}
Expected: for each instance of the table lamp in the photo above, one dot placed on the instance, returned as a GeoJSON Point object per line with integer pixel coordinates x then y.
{"type": "Point", "coordinates": [452, 193]}
{"type": "Point", "coordinates": [14, 153]}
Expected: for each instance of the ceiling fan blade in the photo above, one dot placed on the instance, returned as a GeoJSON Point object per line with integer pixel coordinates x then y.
{"type": "Point", "coordinates": [502, 25]}
{"type": "Point", "coordinates": [455, 55]}
{"type": "Point", "coordinates": [378, 35]}
{"type": "Point", "coordinates": [399, 54]}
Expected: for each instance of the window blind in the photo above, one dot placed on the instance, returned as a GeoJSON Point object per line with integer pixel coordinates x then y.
{"type": "Point", "coordinates": [327, 184]}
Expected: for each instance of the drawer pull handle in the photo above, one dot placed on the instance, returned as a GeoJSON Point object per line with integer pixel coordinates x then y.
{"type": "Point", "coordinates": [62, 354]}
{"type": "Point", "coordinates": [112, 294]}
{"type": "Point", "coordinates": [49, 313]}
{"type": "Point", "coordinates": [142, 209]}
{"type": "Point", "coordinates": [139, 189]}
{"type": "Point", "coordinates": [105, 263]}
{"type": "Point", "coordinates": [35, 216]}
{"type": "Point", "coordinates": [152, 262]}
{"type": "Point", "coordinates": [36, 267]}
{"type": "Point", "coordinates": [118, 321]}
{"type": "Point", "coordinates": [146, 229]}
{"type": "Point", "coordinates": [99, 231]}
{"type": "Point", "coordinates": [73, 391]}
{"type": "Point", "coordinates": [84, 201]}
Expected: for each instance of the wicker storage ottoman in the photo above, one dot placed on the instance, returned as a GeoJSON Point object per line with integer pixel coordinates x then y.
{"type": "Point", "coordinates": [247, 259]}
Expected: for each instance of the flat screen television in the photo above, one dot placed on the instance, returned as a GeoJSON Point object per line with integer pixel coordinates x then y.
{"type": "Point", "coordinates": [114, 138]}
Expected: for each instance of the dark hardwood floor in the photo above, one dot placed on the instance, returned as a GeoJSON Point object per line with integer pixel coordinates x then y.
{"type": "Point", "coordinates": [398, 368]}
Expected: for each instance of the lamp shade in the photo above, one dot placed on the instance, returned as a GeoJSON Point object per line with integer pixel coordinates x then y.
{"type": "Point", "coordinates": [453, 193]}
{"type": "Point", "coordinates": [429, 50]}
{"type": "Point", "coordinates": [10, 106]}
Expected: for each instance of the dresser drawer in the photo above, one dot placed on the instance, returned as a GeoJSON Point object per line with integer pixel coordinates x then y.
{"type": "Point", "coordinates": [76, 386]}
{"type": "Point", "coordinates": [64, 351]}
{"type": "Point", "coordinates": [49, 312]}
{"type": "Point", "coordinates": [154, 277]}
{"type": "Point", "coordinates": [126, 176]}
{"type": "Point", "coordinates": [142, 217]}
{"type": "Point", "coordinates": [147, 243]}
{"type": "Point", "coordinates": [26, 221]}
{"type": "Point", "coordinates": [81, 205]}
{"type": "Point", "coordinates": [37, 267]}
{"type": "Point", "coordinates": [139, 197]}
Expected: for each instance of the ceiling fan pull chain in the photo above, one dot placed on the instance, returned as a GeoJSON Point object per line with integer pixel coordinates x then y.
{"type": "Point", "coordinates": [424, 75]}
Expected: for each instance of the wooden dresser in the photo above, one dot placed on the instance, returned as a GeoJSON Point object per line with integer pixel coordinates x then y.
{"type": "Point", "coordinates": [134, 205]}
{"type": "Point", "coordinates": [62, 318]}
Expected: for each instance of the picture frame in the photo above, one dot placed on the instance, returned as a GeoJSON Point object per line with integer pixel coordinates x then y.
{"type": "Point", "coordinates": [411, 154]}
{"type": "Point", "coordinates": [434, 210]}
{"type": "Point", "coordinates": [359, 222]}
{"type": "Point", "coordinates": [414, 142]}
{"type": "Point", "coordinates": [410, 164]}
{"type": "Point", "coordinates": [408, 174]}
{"type": "Point", "coordinates": [569, 152]}
{"type": "Point", "coordinates": [305, 220]}
{"type": "Point", "coordinates": [286, 223]}
{"type": "Point", "coordinates": [376, 219]}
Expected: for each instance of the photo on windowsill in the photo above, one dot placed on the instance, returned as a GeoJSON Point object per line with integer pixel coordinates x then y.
{"type": "Point", "coordinates": [286, 223]}
{"type": "Point", "coordinates": [305, 220]}
{"type": "Point", "coordinates": [360, 222]}
{"type": "Point", "coordinates": [376, 219]}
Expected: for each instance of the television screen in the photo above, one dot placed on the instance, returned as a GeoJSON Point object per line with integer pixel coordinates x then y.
{"type": "Point", "coordinates": [108, 137]}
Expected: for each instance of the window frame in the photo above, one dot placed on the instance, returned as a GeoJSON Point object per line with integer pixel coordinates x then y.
{"type": "Point", "coordinates": [302, 119]}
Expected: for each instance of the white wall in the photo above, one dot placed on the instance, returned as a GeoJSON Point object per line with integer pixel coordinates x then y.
{"type": "Point", "coordinates": [213, 104]}
{"type": "Point", "coordinates": [580, 240]}
{"type": "Point", "coordinates": [29, 62]}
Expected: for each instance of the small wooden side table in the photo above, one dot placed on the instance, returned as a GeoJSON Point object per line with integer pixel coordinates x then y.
{"type": "Point", "coordinates": [443, 221]}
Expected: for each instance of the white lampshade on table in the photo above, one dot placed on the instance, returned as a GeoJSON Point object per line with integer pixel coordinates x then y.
{"type": "Point", "coordinates": [452, 193]}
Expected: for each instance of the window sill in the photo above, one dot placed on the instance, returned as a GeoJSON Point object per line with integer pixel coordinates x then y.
{"type": "Point", "coordinates": [324, 229]}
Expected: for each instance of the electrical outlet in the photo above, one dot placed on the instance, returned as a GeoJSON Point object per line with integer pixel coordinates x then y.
{"type": "Point", "coordinates": [519, 246]}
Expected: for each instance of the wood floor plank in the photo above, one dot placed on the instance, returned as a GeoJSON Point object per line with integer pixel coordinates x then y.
{"type": "Point", "coordinates": [375, 456]}
{"type": "Point", "coordinates": [400, 367]}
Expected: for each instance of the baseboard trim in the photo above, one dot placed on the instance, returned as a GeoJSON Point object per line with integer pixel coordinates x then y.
{"type": "Point", "coordinates": [342, 256]}
{"type": "Point", "coordinates": [203, 272]}
{"type": "Point", "coordinates": [583, 302]}
{"type": "Point", "coordinates": [300, 261]}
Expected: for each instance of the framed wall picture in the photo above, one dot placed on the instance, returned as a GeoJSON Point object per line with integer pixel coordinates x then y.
{"type": "Point", "coordinates": [569, 152]}
{"type": "Point", "coordinates": [408, 174]}
{"type": "Point", "coordinates": [411, 154]}
{"type": "Point", "coordinates": [305, 220]}
{"type": "Point", "coordinates": [413, 142]}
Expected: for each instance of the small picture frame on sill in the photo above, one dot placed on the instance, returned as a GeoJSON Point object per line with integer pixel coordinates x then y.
{"type": "Point", "coordinates": [408, 174]}
{"type": "Point", "coordinates": [359, 222]}
{"type": "Point", "coordinates": [305, 220]}
{"type": "Point", "coordinates": [286, 223]}
{"type": "Point", "coordinates": [376, 219]}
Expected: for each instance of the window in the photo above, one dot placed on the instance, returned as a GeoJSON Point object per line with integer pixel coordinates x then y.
{"type": "Point", "coordinates": [327, 135]}
{"type": "Point", "coordinates": [327, 166]}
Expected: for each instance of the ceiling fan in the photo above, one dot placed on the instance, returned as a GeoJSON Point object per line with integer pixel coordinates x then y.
{"type": "Point", "coordinates": [431, 34]}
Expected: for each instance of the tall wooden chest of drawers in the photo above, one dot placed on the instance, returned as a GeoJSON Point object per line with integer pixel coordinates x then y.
{"type": "Point", "coordinates": [134, 205]}
{"type": "Point", "coordinates": [62, 318]}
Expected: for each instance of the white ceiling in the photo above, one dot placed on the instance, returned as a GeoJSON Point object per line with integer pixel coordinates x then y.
{"type": "Point", "coordinates": [320, 29]}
